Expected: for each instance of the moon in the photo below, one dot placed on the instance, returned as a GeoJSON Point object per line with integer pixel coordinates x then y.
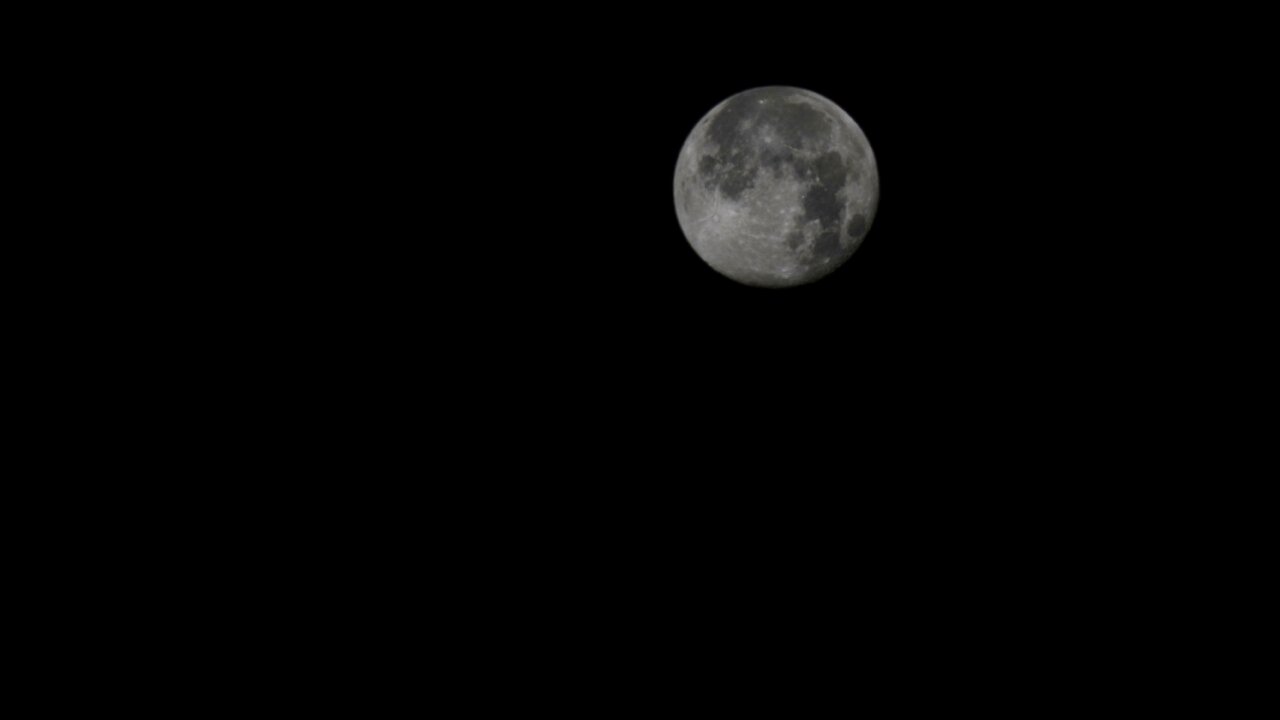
{"type": "Point", "coordinates": [776, 187]}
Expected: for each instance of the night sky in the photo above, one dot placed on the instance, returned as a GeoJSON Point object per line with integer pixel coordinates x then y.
{"type": "Point", "coordinates": [512, 227]}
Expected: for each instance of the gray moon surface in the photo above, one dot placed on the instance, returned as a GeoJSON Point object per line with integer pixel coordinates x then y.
{"type": "Point", "coordinates": [776, 187]}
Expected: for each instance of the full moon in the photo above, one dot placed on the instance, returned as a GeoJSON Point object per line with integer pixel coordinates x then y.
{"type": "Point", "coordinates": [776, 187]}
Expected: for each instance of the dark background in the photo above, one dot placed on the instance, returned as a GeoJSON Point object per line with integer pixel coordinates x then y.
{"type": "Point", "coordinates": [457, 338]}
{"type": "Point", "coordinates": [1001, 275]}
{"type": "Point", "coordinates": [457, 362]}
{"type": "Point", "coordinates": [487, 230]}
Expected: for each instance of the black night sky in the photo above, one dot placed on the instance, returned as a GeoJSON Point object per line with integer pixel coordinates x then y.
{"type": "Point", "coordinates": [970, 282]}
{"type": "Point", "coordinates": [512, 227]}
{"type": "Point", "coordinates": [473, 311]}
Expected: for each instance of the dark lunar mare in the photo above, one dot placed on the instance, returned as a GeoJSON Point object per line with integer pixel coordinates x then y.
{"type": "Point", "coordinates": [734, 170]}
{"type": "Point", "coordinates": [821, 201]}
{"type": "Point", "coordinates": [858, 226]}
{"type": "Point", "coordinates": [797, 123]}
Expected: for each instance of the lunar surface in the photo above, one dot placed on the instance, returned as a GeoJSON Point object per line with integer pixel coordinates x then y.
{"type": "Point", "coordinates": [776, 187]}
